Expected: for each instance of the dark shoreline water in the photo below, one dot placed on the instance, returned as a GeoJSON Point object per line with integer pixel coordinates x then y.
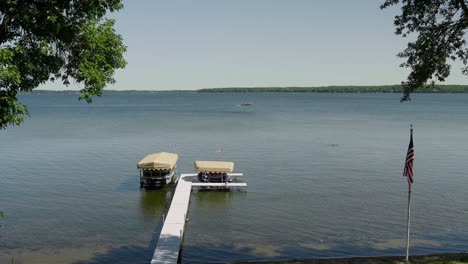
{"type": "Point", "coordinates": [422, 259]}
{"type": "Point", "coordinates": [324, 175]}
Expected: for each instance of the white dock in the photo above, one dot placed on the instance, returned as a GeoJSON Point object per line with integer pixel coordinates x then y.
{"type": "Point", "coordinates": [219, 184]}
{"type": "Point", "coordinates": [170, 239]}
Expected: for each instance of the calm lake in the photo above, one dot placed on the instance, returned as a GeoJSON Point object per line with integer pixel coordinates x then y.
{"type": "Point", "coordinates": [324, 174]}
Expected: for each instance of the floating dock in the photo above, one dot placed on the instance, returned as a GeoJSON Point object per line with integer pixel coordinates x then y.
{"type": "Point", "coordinates": [170, 239]}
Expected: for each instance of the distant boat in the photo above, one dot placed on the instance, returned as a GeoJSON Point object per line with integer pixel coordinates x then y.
{"type": "Point", "coordinates": [247, 104]}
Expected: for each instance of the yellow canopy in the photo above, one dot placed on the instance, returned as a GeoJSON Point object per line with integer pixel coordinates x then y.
{"type": "Point", "coordinates": [214, 166]}
{"type": "Point", "coordinates": [159, 161]}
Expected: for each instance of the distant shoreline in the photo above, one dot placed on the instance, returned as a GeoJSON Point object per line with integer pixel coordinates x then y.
{"type": "Point", "coordinates": [317, 89]}
{"type": "Point", "coordinates": [455, 258]}
{"type": "Point", "coordinates": [340, 89]}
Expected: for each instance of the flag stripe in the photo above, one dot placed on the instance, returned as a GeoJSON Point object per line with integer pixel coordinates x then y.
{"type": "Point", "coordinates": [408, 170]}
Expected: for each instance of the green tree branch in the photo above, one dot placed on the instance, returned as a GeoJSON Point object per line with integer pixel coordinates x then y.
{"type": "Point", "coordinates": [43, 40]}
{"type": "Point", "coordinates": [440, 38]}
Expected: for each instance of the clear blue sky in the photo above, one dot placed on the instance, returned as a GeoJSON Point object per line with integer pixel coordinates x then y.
{"type": "Point", "coordinates": [183, 45]}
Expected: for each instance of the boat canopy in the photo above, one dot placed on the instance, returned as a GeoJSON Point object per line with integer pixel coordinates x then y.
{"type": "Point", "coordinates": [158, 161]}
{"type": "Point", "coordinates": [214, 166]}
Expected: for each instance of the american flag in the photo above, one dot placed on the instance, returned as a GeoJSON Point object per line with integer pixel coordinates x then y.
{"type": "Point", "coordinates": [408, 171]}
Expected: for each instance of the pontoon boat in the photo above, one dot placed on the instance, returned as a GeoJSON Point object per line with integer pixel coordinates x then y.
{"type": "Point", "coordinates": [158, 169]}
{"type": "Point", "coordinates": [217, 175]}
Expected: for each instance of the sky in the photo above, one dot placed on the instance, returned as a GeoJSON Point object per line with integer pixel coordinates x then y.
{"type": "Point", "coordinates": [187, 45]}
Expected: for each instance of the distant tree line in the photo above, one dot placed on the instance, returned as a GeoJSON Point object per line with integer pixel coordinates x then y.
{"type": "Point", "coordinates": [341, 89]}
{"type": "Point", "coordinates": [320, 89]}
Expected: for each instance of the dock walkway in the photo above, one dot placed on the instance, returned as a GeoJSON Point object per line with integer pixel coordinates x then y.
{"type": "Point", "coordinates": [170, 239]}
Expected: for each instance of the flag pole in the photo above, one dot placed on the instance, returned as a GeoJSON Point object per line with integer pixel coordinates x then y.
{"type": "Point", "coordinates": [408, 217]}
{"type": "Point", "coordinates": [408, 220]}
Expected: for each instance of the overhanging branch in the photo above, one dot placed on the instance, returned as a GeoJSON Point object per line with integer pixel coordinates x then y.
{"type": "Point", "coordinates": [464, 8]}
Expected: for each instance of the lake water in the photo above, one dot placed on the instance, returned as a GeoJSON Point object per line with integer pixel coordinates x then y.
{"type": "Point", "coordinates": [323, 172]}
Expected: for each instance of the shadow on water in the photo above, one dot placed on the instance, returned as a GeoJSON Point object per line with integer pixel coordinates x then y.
{"type": "Point", "coordinates": [248, 252]}
{"type": "Point", "coordinates": [124, 255]}
{"type": "Point", "coordinates": [153, 203]}
{"type": "Point", "coordinates": [231, 253]}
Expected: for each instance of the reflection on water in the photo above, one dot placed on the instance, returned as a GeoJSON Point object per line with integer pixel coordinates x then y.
{"type": "Point", "coordinates": [210, 198]}
{"type": "Point", "coordinates": [153, 201]}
